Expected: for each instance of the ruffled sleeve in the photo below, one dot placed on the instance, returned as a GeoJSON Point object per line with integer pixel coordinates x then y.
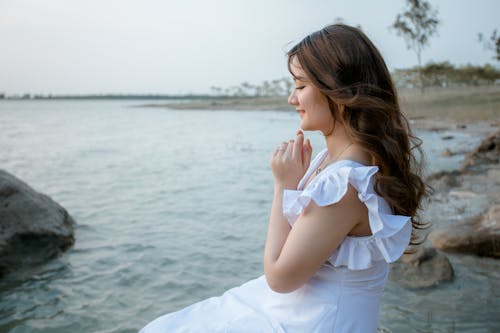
{"type": "Point", "coordinates": [390, 233]}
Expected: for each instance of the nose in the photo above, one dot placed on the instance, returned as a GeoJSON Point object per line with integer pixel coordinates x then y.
{"type": "Point", "coordinates": [292, 99]}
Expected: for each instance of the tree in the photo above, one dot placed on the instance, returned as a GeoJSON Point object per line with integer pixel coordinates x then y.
{"type": "Point", "coordinates": [417, 24]}
{"type": "Point", "coordinates": [492, 44]}
{"type": "Point", "coordinates": [216, 90]}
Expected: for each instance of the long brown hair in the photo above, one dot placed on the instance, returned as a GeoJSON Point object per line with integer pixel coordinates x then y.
{"type": "Point", "coordinates": [348, 69]}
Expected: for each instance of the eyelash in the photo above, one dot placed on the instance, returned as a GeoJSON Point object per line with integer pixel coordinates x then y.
{"type": "Point", "coordinates": [299, 88]}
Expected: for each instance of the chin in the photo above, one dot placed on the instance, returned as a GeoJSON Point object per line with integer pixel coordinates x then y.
{"type": "Point", "coordinates": [304, 125]}
{"type": "Point", "coordinates": [307, 127]}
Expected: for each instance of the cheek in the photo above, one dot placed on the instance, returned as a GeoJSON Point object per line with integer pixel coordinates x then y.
{"type": "Point", "coordinates": [323, 109]}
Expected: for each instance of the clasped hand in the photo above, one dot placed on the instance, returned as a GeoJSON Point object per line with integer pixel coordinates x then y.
{"type": "Point", "coordinates": [290, 161]}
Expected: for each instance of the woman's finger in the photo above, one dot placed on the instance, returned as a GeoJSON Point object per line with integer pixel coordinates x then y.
{"type": "Point", "coordinates": [307, 153]}
{"type": "Point", "coordinates": [297, 147]}
{"type": "Point", "coordinates": [289, 148]}
{"type": "Point", "coordinates": [280, 149]}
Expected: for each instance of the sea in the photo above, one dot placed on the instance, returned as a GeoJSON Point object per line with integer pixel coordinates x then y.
{"type": "Point", "coordinates": [172, 207]}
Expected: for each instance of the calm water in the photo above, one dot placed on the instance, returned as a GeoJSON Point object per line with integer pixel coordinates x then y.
{"type": "Point", "coordinates": [172, 208]}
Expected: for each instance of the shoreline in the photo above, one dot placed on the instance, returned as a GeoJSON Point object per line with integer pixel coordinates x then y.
{"type": "Point", "coordinates": [474, 111]}
{"type": "Point", "coordinates": [475, 277]}
{"type": "Point", "coordinates": [438, 109]}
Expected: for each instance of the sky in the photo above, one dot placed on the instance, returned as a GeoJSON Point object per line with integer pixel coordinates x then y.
{"type": "Point", "coordinates": [188, 46]}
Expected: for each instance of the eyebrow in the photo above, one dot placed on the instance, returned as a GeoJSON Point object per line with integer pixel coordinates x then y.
{"type": "Point", "coordinates": [299, 78]}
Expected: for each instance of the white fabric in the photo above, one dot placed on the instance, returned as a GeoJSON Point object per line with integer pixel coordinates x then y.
{"type": "Point", "coordinates": [342, 297]}
{"type": "Point", "coordinates": [390, 233]}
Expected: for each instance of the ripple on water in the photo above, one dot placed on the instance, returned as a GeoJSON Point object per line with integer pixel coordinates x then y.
{"type": "Point", "coordinates": [163, 225]}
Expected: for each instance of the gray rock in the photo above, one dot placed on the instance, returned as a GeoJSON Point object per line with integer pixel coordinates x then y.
{"type": "Point", "coordinates": [422, 269]}
{"type": "Point", "coordinates": [446, 153]}
{"type": "Point", "coordinates": [443, 181]}
{"type": "Point", "coordinates": [478, 235]}
{"type": "Point", "coordinates": [33, 228]}
{"type": "Point", "coordinates": [488, 152]}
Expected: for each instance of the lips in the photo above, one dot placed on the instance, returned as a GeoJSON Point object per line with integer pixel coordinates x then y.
{"type": "Point", "coordinates": [301, 112]}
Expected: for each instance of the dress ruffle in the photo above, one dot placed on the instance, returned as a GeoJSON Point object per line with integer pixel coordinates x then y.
{"type": "Point", "coordinates": [390, 233]}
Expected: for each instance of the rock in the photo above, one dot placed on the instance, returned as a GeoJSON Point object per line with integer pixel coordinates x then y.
{"type": "Point", "coordinates": [447, 137]}
{"type": "Point", "coordinates": [478, 235]}
{"type": "Point", "coordinates": [33, 228]}
{"type": "Point", "coordinates": [442, 181]}
{"type": "Point", "coordinates": [488, 152]}
{"type": "Point", "coordinates": [462, 194]}
{"type": "Point", "coordinates": [422, 269]}
{"type": "Point", "coordinates": [446, 153]}
{"type": "Point", "coordinates": [438, 128]}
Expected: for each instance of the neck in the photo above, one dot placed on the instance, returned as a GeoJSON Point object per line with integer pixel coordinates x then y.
{"type": "Point", "coordinates": [337, 142]}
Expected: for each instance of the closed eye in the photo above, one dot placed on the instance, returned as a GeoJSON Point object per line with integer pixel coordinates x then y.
{"type": "Point", "coordinates": [299, 88]}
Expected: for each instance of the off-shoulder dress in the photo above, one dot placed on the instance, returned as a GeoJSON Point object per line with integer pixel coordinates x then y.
{"type": "Point", "coordinates": [343, 296]}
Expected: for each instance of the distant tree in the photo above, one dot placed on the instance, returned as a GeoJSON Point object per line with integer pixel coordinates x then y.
{"type": "Point", "coordinates": [266, 88]}
{"type": "Point", "coordinates": [492, 44]}
{"type": "Point", "coordinates": [216, 90]}
{"type": "Point", "coordinates": [288, 83]}
{"type": "Point", "coordinates": [248, 89]}
{"type": "Point", "coordinates": [277, 87]}
{"type": "Point", "coordinates": [445, 74]}
{"type": "Point", "coordinates": [417, 24]}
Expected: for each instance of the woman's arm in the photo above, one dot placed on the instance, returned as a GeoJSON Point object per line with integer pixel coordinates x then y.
{"type": "Point", "coordinates": [293, 255]}
{"type": "Point", "coordinates": [277, 232]}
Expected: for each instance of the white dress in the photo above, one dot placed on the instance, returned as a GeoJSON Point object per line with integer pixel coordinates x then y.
{"type": "Point", "coordinates": [343, 296]}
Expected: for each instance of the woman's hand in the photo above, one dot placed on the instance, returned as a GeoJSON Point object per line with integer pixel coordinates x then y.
{"type": "Point", "coordinates": [290, 161]}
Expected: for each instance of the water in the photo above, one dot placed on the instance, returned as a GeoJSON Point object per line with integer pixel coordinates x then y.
{"type": "Point", "coordinates": [172, 208]}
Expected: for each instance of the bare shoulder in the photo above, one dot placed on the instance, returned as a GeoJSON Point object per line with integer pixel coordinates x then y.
{"type": "Point", "coordinates": [349, 209]}
{"type": "Point", "coordinates": [358, 154]}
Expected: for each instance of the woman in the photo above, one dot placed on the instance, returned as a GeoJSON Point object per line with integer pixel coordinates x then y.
{"type": "Point", "coordinates": [336, 222]}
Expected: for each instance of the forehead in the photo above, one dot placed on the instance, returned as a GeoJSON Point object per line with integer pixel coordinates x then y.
{"type": "Point", "coordinates": [296, 70]}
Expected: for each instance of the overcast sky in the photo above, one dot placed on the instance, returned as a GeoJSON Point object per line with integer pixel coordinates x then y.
{"type": "Point", "coordinates": [185, 46]}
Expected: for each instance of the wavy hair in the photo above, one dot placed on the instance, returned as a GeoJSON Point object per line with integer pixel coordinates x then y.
{"type": "Point", "coordinates": [348, 69]}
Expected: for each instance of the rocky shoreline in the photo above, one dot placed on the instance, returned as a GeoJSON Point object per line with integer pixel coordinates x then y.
{"type": "Point", "coordinates": [474, 187]}
{"type": "Point", "coordinates": [464, 213]}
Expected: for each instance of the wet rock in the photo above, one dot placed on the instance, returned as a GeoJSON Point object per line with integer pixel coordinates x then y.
{"type": "Point", "coordinates": [478, 235]}
{"type": "Point", "coordinates": [442, 181]}
{"type": "Point", "coordinates": [438, 128]}
{"type": "Point", "coordinates": [33, 228]}
{"type": "Point", "coordinates": [422, 269]}
{"type": "Point", "coordinates": [487, 153]}
{"type": "Point", "coordinates": [446, 153]}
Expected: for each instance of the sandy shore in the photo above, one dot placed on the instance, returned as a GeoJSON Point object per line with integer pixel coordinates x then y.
{"type": "Point", "coordinates": [436, 109]}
